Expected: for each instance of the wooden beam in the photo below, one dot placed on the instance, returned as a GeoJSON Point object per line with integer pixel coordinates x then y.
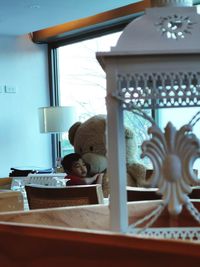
{"type": "Point", "coordinates": [45, 34]}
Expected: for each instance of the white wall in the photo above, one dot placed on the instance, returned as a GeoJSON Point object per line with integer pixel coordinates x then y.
{"type": "Point", "coordinates": [23, 64]}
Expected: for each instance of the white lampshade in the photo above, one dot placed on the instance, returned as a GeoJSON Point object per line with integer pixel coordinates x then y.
{"type": "Point", "coordinates": [56, 119]}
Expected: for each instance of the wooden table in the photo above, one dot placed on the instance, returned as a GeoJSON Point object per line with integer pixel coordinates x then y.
{"type": "Point", "coordinates": [11, 200]}
{"type": "Point", "coordinates": [80, 236]}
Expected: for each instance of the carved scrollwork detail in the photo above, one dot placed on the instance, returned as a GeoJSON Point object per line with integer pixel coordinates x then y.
{"type": "Point", "coordinates": [172, 154]}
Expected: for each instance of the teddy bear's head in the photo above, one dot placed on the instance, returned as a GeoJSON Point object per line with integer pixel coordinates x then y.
{"type": "Point", "coordinates": [89, 140]}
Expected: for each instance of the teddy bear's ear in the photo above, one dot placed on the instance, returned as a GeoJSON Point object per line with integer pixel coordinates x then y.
{"type": "Point", "coordinates": [72, 131]}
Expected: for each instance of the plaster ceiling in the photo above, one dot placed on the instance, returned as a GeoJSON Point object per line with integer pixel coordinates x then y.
{"type": "Point", "coordinates": [18, 17]}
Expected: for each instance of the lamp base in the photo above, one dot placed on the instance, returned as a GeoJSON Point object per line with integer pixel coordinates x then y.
{"type": "Point", "coordinates": [59, 168]}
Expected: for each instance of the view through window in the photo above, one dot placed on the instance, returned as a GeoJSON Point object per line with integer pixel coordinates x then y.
{"type": "Point", "coordinates": [82, 83]}
{"type": "Point", "coordinates": [82, 80]}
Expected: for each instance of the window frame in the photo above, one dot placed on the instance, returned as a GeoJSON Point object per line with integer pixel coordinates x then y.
{"type": "Point", "coordinates": [84, 33]}
{"type": "Point", "coordinates": [73, 37]}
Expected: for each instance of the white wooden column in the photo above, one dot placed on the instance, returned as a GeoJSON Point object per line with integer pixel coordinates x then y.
{"type": "Point", "coordinates": [116, 157]}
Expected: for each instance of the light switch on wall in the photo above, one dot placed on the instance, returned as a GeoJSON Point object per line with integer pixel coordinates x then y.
{"type": "Point", "coordinates": [10, 89]}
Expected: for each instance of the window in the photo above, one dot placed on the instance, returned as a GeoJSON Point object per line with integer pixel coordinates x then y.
{"type": "Point", "coordinates": [62, 39]}
{"type": "Point", "coordinates": [82, 83]}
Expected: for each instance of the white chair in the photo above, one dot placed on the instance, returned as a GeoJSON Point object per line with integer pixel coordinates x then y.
{"type": "Point", "coordinates": [50, 179]}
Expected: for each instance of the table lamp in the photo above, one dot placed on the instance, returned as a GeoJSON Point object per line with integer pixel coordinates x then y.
{"type": "Point", "coordinates": [56, 120]}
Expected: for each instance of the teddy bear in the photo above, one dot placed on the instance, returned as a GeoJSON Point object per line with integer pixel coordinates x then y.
{"type": "Point", "coordinates": [89, 140]}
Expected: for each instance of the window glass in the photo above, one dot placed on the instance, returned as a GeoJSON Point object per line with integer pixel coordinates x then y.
{"type": "Point", "coordinates": [82, 84]}
{"type": "Point", "coordinates": [82, 80]}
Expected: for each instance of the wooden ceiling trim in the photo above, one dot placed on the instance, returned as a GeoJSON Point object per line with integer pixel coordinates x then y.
{"type": "Point", "coordinates": [46, 34]}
